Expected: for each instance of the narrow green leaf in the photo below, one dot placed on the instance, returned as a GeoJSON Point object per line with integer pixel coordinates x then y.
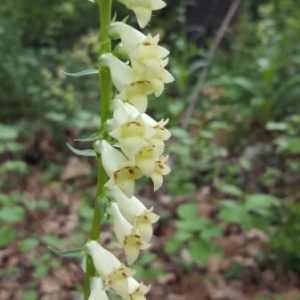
{"type": "Point", "coordinates": [91, 138]}
{"type": "Point", "coordinates": [82, 73]}
{"type": "Point", "coordinates": [78, 252]}
{"type": "Point", "coordinates": [85, 152]}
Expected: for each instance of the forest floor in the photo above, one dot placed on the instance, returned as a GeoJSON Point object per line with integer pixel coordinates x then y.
{"type": "Point", "coordinates": [28, 274]}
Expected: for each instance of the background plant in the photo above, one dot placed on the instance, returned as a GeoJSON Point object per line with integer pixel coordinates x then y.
{"type": "Point", "coordinates": [242, 141]}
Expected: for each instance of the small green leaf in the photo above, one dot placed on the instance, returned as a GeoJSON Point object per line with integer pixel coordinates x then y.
{"type": "Point", "coordinates": [231, 211]}
{"type": "Point", "coordinates": [5, 199]}
{"type": "Point", "coordinates": [28, 244]}
{"type": "Point", "coordinates": [180, 134]}
{"type": "Point", "coordinates": [8, 132]}
{"type": "Point", "coordinates": [86, 212]}
{"type": "Point", "coordinates": [14, 166]}
{"type": "Point", "coordinates": [193, 225]}
{"type": "Point", "coordinates": [182, 236]}
{"type": "Point", "coordinates": [52, 240]}
{"type": "Point", "coordinates": [293, 145]}
{"type": "Point", "coordinates": [172, 247]}
{"type": "Point", "coordinates": [93, 137]}
{"type": "Point", "coordinates": [7, 235]}
{"type": "Point", "coordinates": [148, 258]}
{"type": "Point", "coordinates": [261, 203]}
{"type": "Point", "coordinates": [188, 211]}
{"type": "Point", "coordinates": [85, 152]}
{"type": "Point", "coordinates": [278, 126]}
{"type": "Point", "coordinates": [201, 251]}
{"type": "Point", "coordinates": [55, 117]}
{"type": "Point", "coordinates": [12, 214]}
{"type": "Point", "coordinates": [229, 189]}
{"type": "Point", "coordinates": [245, 164]}
{"type": "Point", "coordinates": [235, 271]}
{"type": "Point", "coordinates": [78, 252]}
{"type": "Point", "coordinates": [82, 73]}
{"type": "Point", "coordinates": [41, 270]}
{"type": "Point", "coordinates": [31, 295]}
{"type": "Point", "coordinates": [211, 232]}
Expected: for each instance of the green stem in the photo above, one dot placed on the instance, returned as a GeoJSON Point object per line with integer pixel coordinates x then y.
{"type": "Point", "coordinates": [105, 97]}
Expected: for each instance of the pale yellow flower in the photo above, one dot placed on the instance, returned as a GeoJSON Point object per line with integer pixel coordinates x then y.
{"type": "Point", "coordinates": [121, 171]}
{"type": "Point", "coordinates": [113, 273]}
{"type": "Point", "coordinates": [143, 9]}
{"type": "Point", "coordinates": [128, 237]}
{"type": "Point", "coordinates": [135, 212]}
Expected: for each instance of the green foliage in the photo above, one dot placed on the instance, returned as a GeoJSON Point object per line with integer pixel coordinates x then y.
{"type": "Point", "coordinates": [31, 295]}
{"type": "Point", "coordinates": [255, 211]}
{"type": "Point", "coordinates": [146, 269]}
{"type": "Point", "coordinates": [250, 98]}
{"type": "Point", "coordinates": [235, 270]}
{"type": "Point", "coordinates": [28, 244]}
{"type": "Point", "coordinates": [35, 48]}
{"type": "Point", "coordinates": [7, 235]}
{"type": "Point", "coordinates": [195, 233]}
{"type": "Point", "coordinates": [285, 240]}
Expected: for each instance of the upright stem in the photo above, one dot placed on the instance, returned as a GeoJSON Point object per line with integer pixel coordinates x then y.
{"type": "Point", "coordinates": [105, 97]}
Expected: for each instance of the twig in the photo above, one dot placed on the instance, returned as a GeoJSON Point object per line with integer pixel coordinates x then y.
{"type": "Point", "coordinates": [202, 76]}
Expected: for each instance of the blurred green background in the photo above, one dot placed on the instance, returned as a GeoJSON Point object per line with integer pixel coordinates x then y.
{"type": "Point", "coordinates": [236, 178]}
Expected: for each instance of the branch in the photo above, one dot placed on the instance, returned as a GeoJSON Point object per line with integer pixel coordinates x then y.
{"type": "Point", "coordinates": [212, 51]}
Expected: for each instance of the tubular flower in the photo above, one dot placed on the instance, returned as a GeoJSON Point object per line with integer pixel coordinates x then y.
{"type": "Point", "coordinates": [136, 290]}
{"type": "Point", "coordinates": [130, 129]}
{"type": "Point", "coordinates": [162, 134]}
{"type": "Point", "coordinates": [128, 82]}
{"type": "Point", "coordinates": [110, 269]}
{"type": "Point", "coordinates": [135, 213]}
{"type": "Point", "coordinates": [128, 237]}
{"type": "Point", "coordinates": [145, 159]}
{"type": "Point", "coordinates": [138, 47]}
{"type": "Point", "coordinates": [156, 81]}
{"type": "Point", "coordinates": [160, 169]}
{"type": "Point", "coordinates": [97, 291]}
{"type": "Point", "coordinates": [143, 9]}
{"type": "Point", "coordinates": [120, 170]}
